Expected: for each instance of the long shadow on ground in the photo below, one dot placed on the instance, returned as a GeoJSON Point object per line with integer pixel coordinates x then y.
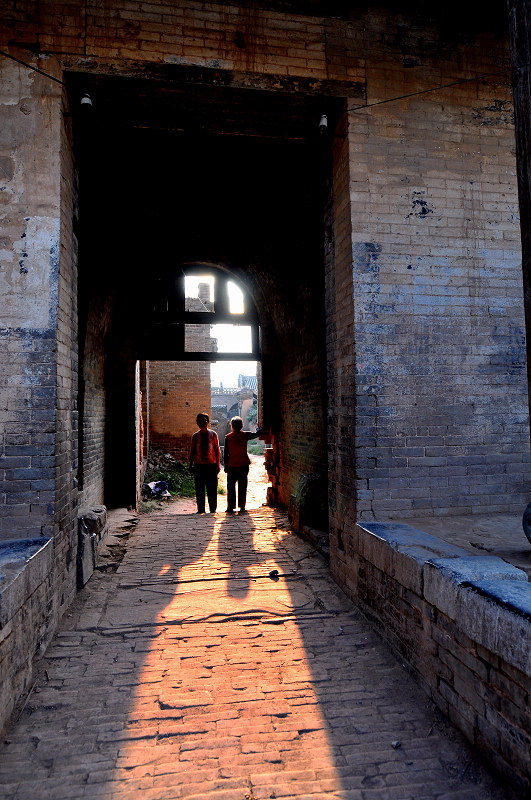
{"type": "Point", "coordinates": [222, 661]}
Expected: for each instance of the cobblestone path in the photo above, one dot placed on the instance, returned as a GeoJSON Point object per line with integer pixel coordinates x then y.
{"type": "Point", "coordinates": [220, 661]}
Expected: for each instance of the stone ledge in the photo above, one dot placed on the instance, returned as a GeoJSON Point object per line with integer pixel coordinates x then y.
{"type": "Point", "coordinates": [319, 539]}
{"type": "Point", "coordinates": [443, 577]}
{"type": "Point", "coordinates": [24, 565]}
{"type": "Point", "coordinates": [497, 615]}
{"type": "Point", "coordinates": [401, 551]}
{"type": "Point", "coordinates": [488, 598]}
{"type": "Point", "coordinates": [472, 635]}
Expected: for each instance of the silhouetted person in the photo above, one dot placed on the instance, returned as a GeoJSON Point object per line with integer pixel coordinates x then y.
{"type": "Point", "coordinates": [205, 458]}
{"type": "Point", "coordinates": [236, 463]}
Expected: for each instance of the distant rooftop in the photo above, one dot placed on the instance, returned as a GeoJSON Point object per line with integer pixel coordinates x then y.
{"type": "Point", "coordinates": [248, 382]}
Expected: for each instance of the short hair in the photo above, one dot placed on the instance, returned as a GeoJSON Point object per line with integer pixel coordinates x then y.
{"type": "Point", "coordinates": [237, 423]}
{"type": "Point", "coordinates": [202, 416]}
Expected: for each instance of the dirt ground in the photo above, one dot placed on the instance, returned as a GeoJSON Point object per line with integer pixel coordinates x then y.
{"type": "Point", "coordinates": [256, 491]}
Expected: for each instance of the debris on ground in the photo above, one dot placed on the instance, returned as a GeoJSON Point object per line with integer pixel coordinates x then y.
{"type": "Point", "coordinates": [156, 489]}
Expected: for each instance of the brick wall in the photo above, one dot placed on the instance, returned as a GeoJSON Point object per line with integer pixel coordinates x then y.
{"type": "Point", "coordinates": [94, 403]}
{"type": "Point", "coordinates": [437, 389]}
{"type": "Point", "coordinates": [424, 351]}
{"type": "Point", "coordinates": [277, 44]}
{"type": "Point", "coordinates": [436, 293]}
{"type": "Point", "coordinates": [39, 430]}
{"type": "Point", "coordinates": [341, 430]}
{"type": "Point", "coordinates": [204, 34]}
{"type": "Point", "coordinates": [462, 625]}
{"type": "Point", "coordinates": [144, 389]}
{"type": "Point", "coordinates": [29, 218]}
{"type": "Point", "coordinates": [440, 334]}
{"type": "Point", "coordinates": [178, 391]}
{"type": "Point", "coordinates": [38, 495]}
{"type": "Point", "coordinates": [301, 431]}
{"type": "Point", "coordinates": [64, 271]}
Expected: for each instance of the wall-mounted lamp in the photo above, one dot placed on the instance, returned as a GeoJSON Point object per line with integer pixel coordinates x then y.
{"type": "Point", "coordinates": [323, 124]}
{"type": "Point", "coordinates": [85, 103]}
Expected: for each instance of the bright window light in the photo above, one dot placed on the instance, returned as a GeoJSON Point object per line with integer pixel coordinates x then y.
{"type": "Point", "coordinates": [191, 285]}
{"type": "Point", "coordinates": [233, 338]}
{"type": "Point", "coordinates": [235, 298]}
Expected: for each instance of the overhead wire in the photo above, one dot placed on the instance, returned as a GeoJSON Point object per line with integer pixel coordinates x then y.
{"type": "Point", "coordinates": [353, 108]}
{"type": "Point", "coordinates": [433, 89]}
{"type": "Point", "coordinates": [30, 66]}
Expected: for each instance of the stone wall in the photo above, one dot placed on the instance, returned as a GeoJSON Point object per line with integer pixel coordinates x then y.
{"type": "Point", "coordinates": [426, 347]}
{"type": "Point", "coordinates": [38, 356]}
{"type": "Point", "coordinates": [462, 624]}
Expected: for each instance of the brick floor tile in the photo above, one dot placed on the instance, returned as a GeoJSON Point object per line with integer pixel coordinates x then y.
{"type": "Point", "coordinates": [184, 688]}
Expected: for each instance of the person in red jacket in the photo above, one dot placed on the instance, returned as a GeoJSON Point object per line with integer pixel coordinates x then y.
{"type": "Point", "coordinates": [236, 463]}
{"type": "Point", "coordinates": [205, 459]}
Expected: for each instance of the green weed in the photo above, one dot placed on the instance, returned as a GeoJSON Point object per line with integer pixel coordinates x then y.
{"type": "Point", "coordinates": [180, 481]}
{"type": "Point", "coordinates": [256, 447]}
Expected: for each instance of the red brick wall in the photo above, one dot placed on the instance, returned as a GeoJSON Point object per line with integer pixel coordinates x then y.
{"type": "Point", "coordinates": [178, 391]}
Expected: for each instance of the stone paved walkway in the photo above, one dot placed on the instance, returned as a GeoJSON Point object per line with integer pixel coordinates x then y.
{"type": "Point", "coordinates": [220, 661]}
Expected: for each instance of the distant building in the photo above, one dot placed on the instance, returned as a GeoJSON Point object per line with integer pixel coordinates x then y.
{"type": "Point", "coordinates": [248, 382]}
{"type": "Point", "coordinates": [228, 403]}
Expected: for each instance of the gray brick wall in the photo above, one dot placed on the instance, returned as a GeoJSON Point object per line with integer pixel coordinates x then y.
{"type": "Point", "coordinates": [29, 374]}
{"type": "Point", "coordinates": [439, 385]}
{"type": "Point", "coordinates": [27, 438]}
{"type": "Point", "coordinates": [94, 399]}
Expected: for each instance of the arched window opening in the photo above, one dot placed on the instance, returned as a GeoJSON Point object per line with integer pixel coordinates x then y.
{"type": "Point", "coordinates": [200, 350]}
{"type": "Point", "coordinates": [201, 314]}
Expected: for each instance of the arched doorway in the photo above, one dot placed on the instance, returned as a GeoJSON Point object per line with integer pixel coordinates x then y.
{"type": "Point", "coordinates": [200, 352]}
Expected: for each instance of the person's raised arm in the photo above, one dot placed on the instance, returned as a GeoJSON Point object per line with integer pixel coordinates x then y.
{"type": "Point", "coordinates": [217, 451]}
{"type": "Point", "coordinates": [192, 452]}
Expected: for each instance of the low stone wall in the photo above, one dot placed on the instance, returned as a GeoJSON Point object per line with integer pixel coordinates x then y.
{"type": "Point", "coordinates": [28, 614]}
{"type": "Point", "coordinates": [461, 622]}
{"type": "Point", "coordinates": [25, 568]}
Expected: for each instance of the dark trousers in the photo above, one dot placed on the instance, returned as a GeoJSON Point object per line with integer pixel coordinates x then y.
{"type": "Point", "coordinates": [206, 477]}
{"type": "Point", "coordinates": [236, 475]}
